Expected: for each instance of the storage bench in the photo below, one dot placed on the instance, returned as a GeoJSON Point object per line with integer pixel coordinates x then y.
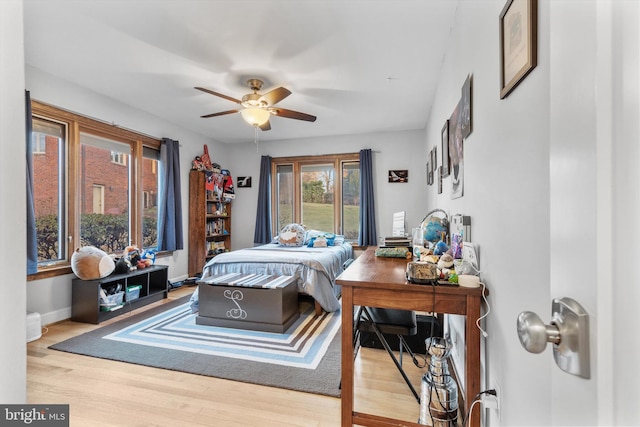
{"type": "Point", "coordinates": [259, 302]}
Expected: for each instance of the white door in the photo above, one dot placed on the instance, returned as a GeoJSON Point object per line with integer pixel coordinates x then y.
{"type": "Point", "coordinates": [595, 202]}
{"type": "Point", "coordinates": [98, 199]}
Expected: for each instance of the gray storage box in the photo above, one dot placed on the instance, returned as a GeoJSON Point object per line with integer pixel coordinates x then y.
{"type": "Point", "coordinates": [248, 301]}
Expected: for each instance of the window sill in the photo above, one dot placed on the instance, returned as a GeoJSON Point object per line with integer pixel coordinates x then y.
{"type": "Point", "coordinates": [50, 272]}
{"type": "Point", "coordinates": [46, 273]}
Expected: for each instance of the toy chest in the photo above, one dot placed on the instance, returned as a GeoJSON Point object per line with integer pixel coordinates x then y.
{"type": "Point", "coordinates": [259, 302]}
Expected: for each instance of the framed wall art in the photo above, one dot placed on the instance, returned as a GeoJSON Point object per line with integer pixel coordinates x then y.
{"type": "Point", "coordinates": [518, 43]}
{"type": "Point", "coordinates": [434, 159]}
{"type": "Point", "coordinates": [444, 149]}
{"type": "Point", "coordinates": [466, 107]}
{"type": "Point", "coordinates": [244, 181]}
{"type": "Point", "coordinates": [456, 153]}
{"type": "Point", "coordinates": [398, 175]}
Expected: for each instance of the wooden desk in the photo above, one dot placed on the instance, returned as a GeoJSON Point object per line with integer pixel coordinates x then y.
{"type": "Point", "coordinates": [380, 282]}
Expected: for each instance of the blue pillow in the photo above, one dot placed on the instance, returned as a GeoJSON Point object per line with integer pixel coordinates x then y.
{"type": "Point", "coordinates": [322, 241]}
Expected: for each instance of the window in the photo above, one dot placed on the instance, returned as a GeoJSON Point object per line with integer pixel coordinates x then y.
{"type": "Point", "coordinates": [318, 189]}
{"type": "Point", "coordinates": [39, 142]}
{"type": "Point", "coordinates": [307, 190]}
{"type": "Point", "coordinates": [150, 183]}
{"type": "Point", "coordinates": [104, 193]}
{"type": "Point", "coordinates": [284, 190]}
{"type": "Point", "coordinates": [119, 158]}
{"type": "Point", "coordinates": [49, 181]}
{"type": "Point", "coordinates": [351, 199]}
{"type": "Point", "coordinates": [88, 187]}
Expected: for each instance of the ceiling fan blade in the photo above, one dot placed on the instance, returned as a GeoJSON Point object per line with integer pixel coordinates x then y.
{"type": "Point", "coordinates": [265, 126]}
{"type": "Point", "coordinates": [218, 94]}
{"type": "Point", "coordinates": [222, 113]}
{"type": "Point", "coordinates": [276, 95]}
{"type": "Point", "coordinates": [290, 114]}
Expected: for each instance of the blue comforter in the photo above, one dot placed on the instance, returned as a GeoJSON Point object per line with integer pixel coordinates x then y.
{"type": "Point", "coordinates": [316, 269]}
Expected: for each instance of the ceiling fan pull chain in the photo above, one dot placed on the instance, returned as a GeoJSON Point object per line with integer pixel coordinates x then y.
{"type": "Point", "coordinates": [255, 137]}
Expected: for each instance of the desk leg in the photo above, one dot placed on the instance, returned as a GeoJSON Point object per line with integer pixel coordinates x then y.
{"type": "Point", "coordinates": [347, 356]}
{"type": "Point", "coordinates": [472, 371]}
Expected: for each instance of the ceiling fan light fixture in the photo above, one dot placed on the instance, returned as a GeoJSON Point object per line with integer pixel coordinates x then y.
{"type": "Point", "coordinates": [253, 100]}
{"type": "Point", "coordinates": [255, 116]}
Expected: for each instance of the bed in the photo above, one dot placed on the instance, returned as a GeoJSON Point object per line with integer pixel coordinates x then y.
{"type": "Point", "coordinates": [315, 268]}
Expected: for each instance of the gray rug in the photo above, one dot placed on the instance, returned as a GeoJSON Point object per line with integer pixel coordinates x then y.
{"type": "Point", "coordinates": [118, 342]}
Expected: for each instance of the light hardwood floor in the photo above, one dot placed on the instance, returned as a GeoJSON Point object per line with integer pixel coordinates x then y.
{"type": "Point", "coordinates": [108, 393]}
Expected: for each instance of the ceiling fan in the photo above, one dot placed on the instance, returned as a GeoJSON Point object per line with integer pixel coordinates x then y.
{"type": "Point", "coordinates": [256, 109]}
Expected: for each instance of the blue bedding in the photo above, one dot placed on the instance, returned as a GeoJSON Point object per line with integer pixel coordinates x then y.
{"type": "Point", "coordinates": [316, 269]}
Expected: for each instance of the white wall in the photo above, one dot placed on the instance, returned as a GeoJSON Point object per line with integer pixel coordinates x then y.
{"type": "Point", "coordinates": [13, 359]}
{"type": "Point", "coordinates": [536, 202]}
{"type": "Point", "coordinates": [397, 150]}
{"type": "Point", "coordinates": [506, 186]}
{"type": "Point", "coordinates": [52, 297]}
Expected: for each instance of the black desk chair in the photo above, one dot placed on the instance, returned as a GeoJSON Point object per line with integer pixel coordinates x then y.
{"type": "Point", "coordinates": [381, 321]}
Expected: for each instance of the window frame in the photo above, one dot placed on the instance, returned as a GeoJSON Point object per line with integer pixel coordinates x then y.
{"type": "Point", "coordinates": [77, 123]}
{"type": "Point", "coordinates": [337, 160]}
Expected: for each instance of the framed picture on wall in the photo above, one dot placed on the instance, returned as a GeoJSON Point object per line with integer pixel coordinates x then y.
{"type": "Point", "coordinates": [434, 160]}
{"type": "Point", "coordinates": [518, 43]}
{"type": "Point", "coordinates": [444, 148]}
{"type": "Point", "coordinates": [429, 171]}
{"type": "Point", "coordinates": [465, 118]}
{"type": "Point", "coordinates": [456, 153]}
{"type": "Point", "coordinates": [398, 175]}
{"type": "Point", "coordinates": [244, 181]}
{"type": "Point", "coordinates": [439, 174]}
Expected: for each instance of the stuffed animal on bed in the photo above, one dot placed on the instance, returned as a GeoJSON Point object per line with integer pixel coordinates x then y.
{"type": "Point", "coordinates": [90, 263]}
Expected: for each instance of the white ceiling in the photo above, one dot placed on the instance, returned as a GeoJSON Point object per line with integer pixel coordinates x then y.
{"type": "Point", "coordinates": [360, 66]}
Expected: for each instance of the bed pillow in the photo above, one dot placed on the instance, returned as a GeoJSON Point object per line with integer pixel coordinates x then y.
{"type": "Point", "coordinates": [291, 235]}
{"type": "Point", "coordinates": [322, 241]}
{"type": "Point", "coordinates": [310, 234]}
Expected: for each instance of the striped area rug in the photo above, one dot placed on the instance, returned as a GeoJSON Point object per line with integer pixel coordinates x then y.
{"type": "Point", "coordinates": [305, 358]}
{"type": "Point", "coordinates": [302, 346]}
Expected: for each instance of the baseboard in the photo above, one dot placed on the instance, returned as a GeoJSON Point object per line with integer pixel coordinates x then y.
{"type": "Point", "coordinates": [179, 278]}
{"type": "Point", "coordinates": [65, 313]}
{"type": "Point", "coordinates": [55, 316]}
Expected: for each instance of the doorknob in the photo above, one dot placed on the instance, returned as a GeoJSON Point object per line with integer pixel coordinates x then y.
{"type": "Point", "coordinates": [534, 334]}
{"type": "Point", "coordinates": [568, 332]}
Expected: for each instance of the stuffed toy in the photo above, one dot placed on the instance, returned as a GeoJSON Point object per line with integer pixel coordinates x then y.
{"type": "Point", "coordinates": [129, 261]}
{"type": "Point", "coordinates": [123, 266]}
{"type": "Point", "coordinates": [148, 257]}
{"type": "Point", "coordinates": [90, 263]}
